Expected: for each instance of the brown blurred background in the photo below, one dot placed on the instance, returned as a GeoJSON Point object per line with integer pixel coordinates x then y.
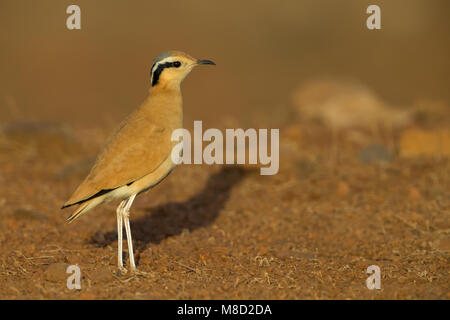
{"type": "Point", "coordinates": [364, 124]}
{"type": "Point", "coordinates": [263, 51]}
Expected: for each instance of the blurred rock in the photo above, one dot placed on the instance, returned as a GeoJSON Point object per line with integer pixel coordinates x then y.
{"type": "Point", "coordinates": [27, 214]}
{"type": "Point", "coordinates": [375, 153]}
{"type": "Point", "coordinates": [418, 142]}
{"type": "Point", "coordinates": [342, 104]}
{"type": "Point", "coordinates": [56, 272]}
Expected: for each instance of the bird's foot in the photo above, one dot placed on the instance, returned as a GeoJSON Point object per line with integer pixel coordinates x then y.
{"type": "Point", "coordinates": [122, 271]}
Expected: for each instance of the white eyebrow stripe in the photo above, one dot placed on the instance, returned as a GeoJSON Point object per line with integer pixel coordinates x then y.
{"type": "Point", "coordinates": [168, 59]}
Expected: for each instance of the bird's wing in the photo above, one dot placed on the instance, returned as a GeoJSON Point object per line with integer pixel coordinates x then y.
{"type": "Point", "coordinates": [136, 149]}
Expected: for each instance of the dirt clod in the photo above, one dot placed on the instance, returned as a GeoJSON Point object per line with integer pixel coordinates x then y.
{"type": "Point", "coordinates": [56, 272]}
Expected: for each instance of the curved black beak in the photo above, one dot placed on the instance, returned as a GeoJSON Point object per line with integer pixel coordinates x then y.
{"type": "Point", "coordinates": [205, 62]}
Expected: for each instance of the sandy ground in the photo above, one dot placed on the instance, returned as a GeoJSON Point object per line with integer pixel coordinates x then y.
{"type": "Point", "coordinates": [309, 232]}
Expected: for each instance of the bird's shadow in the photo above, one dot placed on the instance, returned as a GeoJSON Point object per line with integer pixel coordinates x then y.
{"type": "Point", "coordinates": [173, 218]}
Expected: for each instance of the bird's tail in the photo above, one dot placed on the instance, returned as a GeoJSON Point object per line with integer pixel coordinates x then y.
{"type": "Point", "coordinates": [85, 207]}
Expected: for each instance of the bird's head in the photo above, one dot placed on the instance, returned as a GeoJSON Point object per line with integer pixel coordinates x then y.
{"type": "Point", "coordinates": [170, 68]}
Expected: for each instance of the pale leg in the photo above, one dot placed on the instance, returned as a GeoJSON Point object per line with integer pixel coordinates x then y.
{"type": "Point", "coordinates": [119, 236]}
{"type": "Point", "coordinates": [126, 220]}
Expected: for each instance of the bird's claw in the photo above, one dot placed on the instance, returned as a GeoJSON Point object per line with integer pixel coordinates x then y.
{"type": "Point", "coordinates": [122, 271]}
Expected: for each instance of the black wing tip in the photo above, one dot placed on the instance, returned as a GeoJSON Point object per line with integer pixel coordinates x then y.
{"type": "Point", "coordinates": [69, 205]}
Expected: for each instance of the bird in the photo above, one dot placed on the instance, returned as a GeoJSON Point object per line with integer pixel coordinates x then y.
{"type": "Point", "coordinates": [137, 156]}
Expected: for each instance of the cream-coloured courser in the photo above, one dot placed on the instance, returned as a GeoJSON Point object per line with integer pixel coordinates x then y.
{"type": "Point", "coordinates": [138, 155]}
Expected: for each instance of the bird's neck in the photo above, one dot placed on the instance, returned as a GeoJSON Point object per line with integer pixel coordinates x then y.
{"type": "Point", "coordinates": [170, 86]}
{"type": "Point", "coordinates": [167, 95]}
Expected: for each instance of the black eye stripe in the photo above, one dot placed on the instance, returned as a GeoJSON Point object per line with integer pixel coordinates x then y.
{"type": "Point", "coordinates": [160, 68]}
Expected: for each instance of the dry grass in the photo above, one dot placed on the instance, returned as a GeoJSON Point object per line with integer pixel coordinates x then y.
{"type": "Point", "coordinates": [210, 232]}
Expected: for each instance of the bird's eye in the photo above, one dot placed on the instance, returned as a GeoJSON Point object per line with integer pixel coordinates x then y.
{"type": "Point", "coordinates": [177, 64]}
